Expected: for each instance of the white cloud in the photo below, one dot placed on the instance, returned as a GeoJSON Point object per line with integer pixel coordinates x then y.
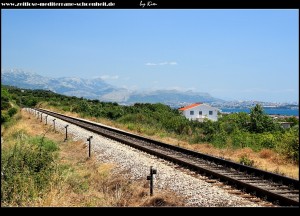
{"type": "Point", "coordinates": [106, 77]}
{"type": "Point", "coordinates": [161, 63]}
{"type": "Point", "coordinates": [150, 64]}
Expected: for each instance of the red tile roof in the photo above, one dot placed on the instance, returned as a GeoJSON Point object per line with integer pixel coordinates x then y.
{"type": "Point", "coordinates": [189, 106]}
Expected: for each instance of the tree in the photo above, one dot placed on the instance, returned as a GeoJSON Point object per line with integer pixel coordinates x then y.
{"type": "Point", "coordinates": [261, 122]}
{"type": "Point", "coordinates": [256, 119]}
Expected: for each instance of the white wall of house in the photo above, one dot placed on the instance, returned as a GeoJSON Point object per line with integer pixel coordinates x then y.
{"type": "Point", "coordinates": [285, 125]}
{"type": "Point", "coordinates": [201, 112]}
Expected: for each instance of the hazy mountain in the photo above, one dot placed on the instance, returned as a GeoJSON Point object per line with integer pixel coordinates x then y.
{"type": "Point", "coordinates": [171, 97]}
{"type": "Point", "coordinates": [71, 86]}
{"type": "Point", "coordinates": [99, 89]}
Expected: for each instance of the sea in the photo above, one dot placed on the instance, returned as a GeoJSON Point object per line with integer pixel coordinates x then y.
{"type": "Point", "coordinates": [270, 111]}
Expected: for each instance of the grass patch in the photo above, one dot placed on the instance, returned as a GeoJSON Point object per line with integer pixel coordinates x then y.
{"type": "Point", "coordinates": [28, 167]}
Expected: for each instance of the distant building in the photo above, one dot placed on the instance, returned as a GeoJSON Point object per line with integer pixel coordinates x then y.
{"type": "Point", "coordinates": [199, 112]}
{"type": "Point", "coordinates": [285, 125]}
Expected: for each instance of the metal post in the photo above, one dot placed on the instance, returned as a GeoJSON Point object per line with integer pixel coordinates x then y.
{"type": "Point", "coordinates": [66, 132]}
{"type": "Point", "coordinates": [151, 185]}
{"type": "Point", "coordinates": [54, 123]}
{"type": "Point", "coordinates": [41, 117]}
{"type": "Point", "coordinates": [89, 139]}
{"type": "Point", "coordinates": [46, 118]}
{"type": "Point", "coordinates": [150, 177]}
{"type": "Point", "coordinates": [38, 115]}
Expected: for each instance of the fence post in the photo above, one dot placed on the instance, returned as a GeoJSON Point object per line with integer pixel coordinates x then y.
{"type": "Point", "coordinates": [150, 178]}
{"type": "Point", "coordinates": [66, 133]}
{"type": "Point", "coordinates": [46, 118]}
{"type": "Point", "coordinates": [89, 139]}
{"type": "Point", "coordinates": [54, 124]}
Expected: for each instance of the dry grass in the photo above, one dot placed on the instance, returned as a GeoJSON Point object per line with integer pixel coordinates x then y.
{"type": "Point", "coordinates": [83, 181]}
{"type": "Point", "coordinates": [265, 159]}
{"type": "Point", "coordinates": [266, 153]}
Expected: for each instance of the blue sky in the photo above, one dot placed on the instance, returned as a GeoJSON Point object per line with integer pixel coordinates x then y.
{"type": "Point", "coordinates": [231, 54]}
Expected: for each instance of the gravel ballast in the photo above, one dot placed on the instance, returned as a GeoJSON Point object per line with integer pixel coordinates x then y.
{"type": "Point", "coordinates": [193, 187]}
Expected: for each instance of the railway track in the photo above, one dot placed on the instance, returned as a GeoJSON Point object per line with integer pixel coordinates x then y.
{"type": "Point", "coordinates": [276, 188]}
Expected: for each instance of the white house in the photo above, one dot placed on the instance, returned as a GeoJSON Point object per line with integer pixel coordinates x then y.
{"type": "Point", "coordinates": [200, 111]}
{"type": "Point", "coordinates": [285, 125]}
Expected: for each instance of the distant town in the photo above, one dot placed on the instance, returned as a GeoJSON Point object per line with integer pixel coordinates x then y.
{"type": "Point", "coordinates": [243, 104]}
{"type": "Point", "coordinates": [249, 104]}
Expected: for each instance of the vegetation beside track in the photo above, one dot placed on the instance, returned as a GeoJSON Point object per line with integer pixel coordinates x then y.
{"type": "Point", "coordinates": [39, 169]}
{"type": "Point", "coordinates": [256, 132]}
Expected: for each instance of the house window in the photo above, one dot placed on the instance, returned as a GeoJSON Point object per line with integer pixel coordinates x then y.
{"type": "Point", "coordinates": [210, 112]}
{"type": "Point", "coordinates": [200, 112]}
{"type": "Point", "coordinates": [191, 112]}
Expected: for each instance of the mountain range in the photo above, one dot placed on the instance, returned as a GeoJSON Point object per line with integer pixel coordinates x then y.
{"type": "Point", "coordinates": [97, 88]}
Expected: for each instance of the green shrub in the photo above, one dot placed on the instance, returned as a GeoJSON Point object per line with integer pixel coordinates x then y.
{"type": "Point", "coordinates": [12, 111]}
{"type": "Point", "coordinates": [246, 161]}
{"type": "Point", "coordinates": [267, 140]}
{"type": "Point", "coordinates": [220, 139]}
{"type": "Point", "coordinates": [4, 117]}
{"type": "Point", "coordinates": [44, 143]}
{"type": "Point", "coordinates": [195, 139]}
{"type": "Point", "coordinates": [4, 105]}
{"type": "Point", "coordinates": [289, 145]}
{"type": "Point", "coordinates": [27, 169]}
{"type": "Point", "coordinates": [238, 139]}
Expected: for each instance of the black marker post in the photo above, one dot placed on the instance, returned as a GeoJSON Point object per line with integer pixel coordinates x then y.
{"type": "Point", "coordinates": [66, 133]}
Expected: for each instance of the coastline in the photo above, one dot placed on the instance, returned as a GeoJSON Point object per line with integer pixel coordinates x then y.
{"type": "Point", "coordinates": [270, 111]}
